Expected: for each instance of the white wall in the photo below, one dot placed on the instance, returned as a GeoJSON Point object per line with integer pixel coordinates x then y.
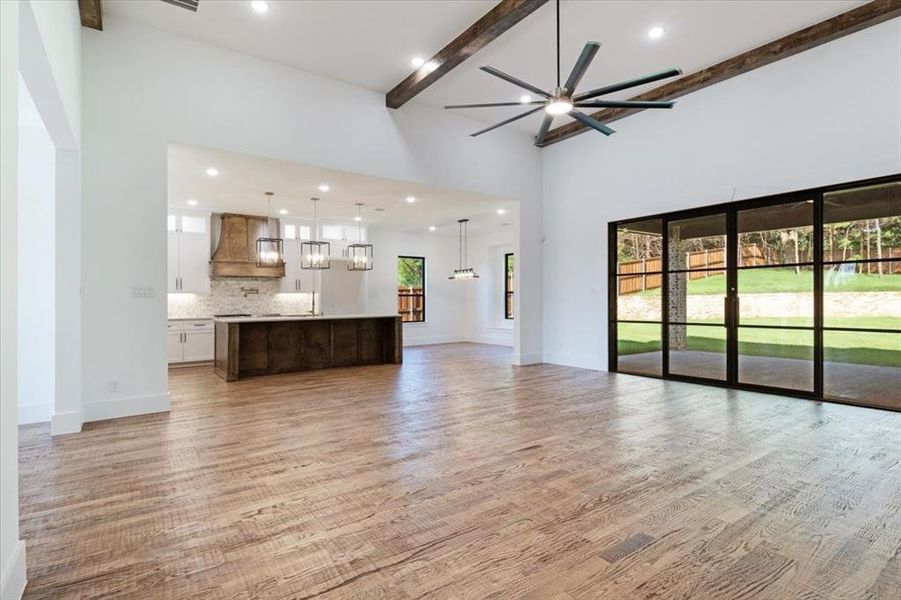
{"type": "Point", "coordinates": [36, 182]}
{"type": "Point", "coordinates": [12, 549]}
{"type": "Point", "coordinates": [485, 320]}
{"type": "Point", "coordinates": [144, 89]}
{"type": "Point", "coordinates": [445, 299]}
{"type": "Point", "coordinates": [42, 41]}
{"type": "Point", "coordinates": [829, 115]}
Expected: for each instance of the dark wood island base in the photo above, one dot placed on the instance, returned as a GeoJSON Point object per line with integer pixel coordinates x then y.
{"type": "Point", "coordinates": [249, 347]}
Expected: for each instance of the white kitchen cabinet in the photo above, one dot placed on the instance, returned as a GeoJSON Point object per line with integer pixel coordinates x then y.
{"type": "Point", "coordinates": [296, 280]}
{"type": "Point", "coordinates": [173, 346]}
{"type": "Point", "coordinates": [190, 341]}
{"type": "Point", "coordinates": [172, 281]}
{"type": "Point", "coordinates": [189, 251]}
{"type": "Point", "coordinates": [198, 345]}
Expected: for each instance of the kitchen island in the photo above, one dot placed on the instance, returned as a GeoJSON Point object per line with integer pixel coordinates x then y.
{"type": "Point", "coordinates": [253, 346]}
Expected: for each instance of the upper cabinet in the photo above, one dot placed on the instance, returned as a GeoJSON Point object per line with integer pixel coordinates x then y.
{"type": "Point", "coordinates": [296, 280]}
{"type": "Point", "coordinates": [189, 251]}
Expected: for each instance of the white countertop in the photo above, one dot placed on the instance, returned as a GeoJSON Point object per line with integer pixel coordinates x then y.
{"type": "Point", "coordinates": [299, 318]}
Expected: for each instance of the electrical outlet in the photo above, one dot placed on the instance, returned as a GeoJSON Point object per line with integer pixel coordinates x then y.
{"type": "Point", "coordinates": [142, 292]}
{"type": "Point", "coordinates": [113, 386]}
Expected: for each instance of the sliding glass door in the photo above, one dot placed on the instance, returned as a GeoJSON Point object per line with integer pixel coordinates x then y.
{"type": "Point", "coordinates": [798, 293]}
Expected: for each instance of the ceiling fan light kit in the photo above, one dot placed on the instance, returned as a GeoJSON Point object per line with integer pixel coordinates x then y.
{"type": "Point", "coordinates": [564, 100]}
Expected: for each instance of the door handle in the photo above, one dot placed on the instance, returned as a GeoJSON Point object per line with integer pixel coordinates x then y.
{"type": "Point", "coordinates": [730, 308]}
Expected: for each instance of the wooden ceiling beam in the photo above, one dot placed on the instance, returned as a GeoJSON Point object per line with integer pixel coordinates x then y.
{"type": "Point", "coordinates": [91, 14]}
{"type": "Point", "coordinates": [839, 26]}
{"type": "Point", "coordinates": [495, 22]}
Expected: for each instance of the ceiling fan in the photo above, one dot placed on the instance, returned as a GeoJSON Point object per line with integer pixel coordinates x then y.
{"type": "Point", "coordinates": [564, 100]}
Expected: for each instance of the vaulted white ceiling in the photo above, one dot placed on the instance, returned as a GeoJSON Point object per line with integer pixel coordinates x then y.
{"type": "Point", "coordinates": [370, 43]}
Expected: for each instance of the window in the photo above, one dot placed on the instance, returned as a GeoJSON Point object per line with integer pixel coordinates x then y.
{"type": "Point", "coordinates": [411, 288]}
{"type": "Point", "coordinates": [508, 285]}
{"type": "Point", "coordinates": [295, 232]}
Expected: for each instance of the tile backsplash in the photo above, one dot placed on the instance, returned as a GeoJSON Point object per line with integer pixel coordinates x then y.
{"type": "Point", "coordinates": [227, 297]}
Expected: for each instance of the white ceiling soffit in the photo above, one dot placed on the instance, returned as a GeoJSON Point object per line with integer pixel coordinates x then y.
{"type": "Point", "coordinates": [242, 181]}
{"type": "Point", "coordinates": [370, 43]}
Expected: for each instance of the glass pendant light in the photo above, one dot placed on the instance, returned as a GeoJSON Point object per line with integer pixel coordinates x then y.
{"type": "Point", "coordinates": [359, 255]}
{"type": "Point", "coordinates": [315, 254]}
{"type": "Point", "coordinates": [270, 250]}
{"type": "Point", "coordinates": [463, 272]}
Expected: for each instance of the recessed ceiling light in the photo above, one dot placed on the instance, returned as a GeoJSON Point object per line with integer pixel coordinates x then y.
{"type": "Point", "coordinates": [260, 6]}
{"type": "Point", "coordinates": [411, 199]}
{"type": "Point", "coordinates": [283, 211]}
{"type": "Point", "coordinates": [430, 66]}
{"type": "Point", "coordinates": [212, 171]}
{"type": "Point", "coordinates": [501, 211]}
{"type": "Point", "coordinates": [358, 218]}
{"type": "Point", "coordinates": [432, 228]}
{"type": "Point", "coordinates": [192, 202]}
{"type": "Point", "coordinates": [655, 33]}
{"type": "Point", "coordinates": [525, 99]}
{"type": "Point", "coordinates": [324, 187]}
{"type": "Point", "coordinates": [417, 61]}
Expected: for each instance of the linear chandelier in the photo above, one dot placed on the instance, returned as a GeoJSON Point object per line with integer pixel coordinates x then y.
{"type": "Point", "coordinates": [463, 272]}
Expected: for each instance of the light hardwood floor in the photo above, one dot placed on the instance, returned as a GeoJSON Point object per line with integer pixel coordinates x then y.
{"type": "Point", "coordinates": [456, 475]}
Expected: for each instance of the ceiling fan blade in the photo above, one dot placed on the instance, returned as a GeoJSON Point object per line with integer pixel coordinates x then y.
{"type": "Point", "coordinates": [624, 104]}
{"type": "Point", "coordinates": [581, 66]}
{"type": "Point", "coordinates": [591, 122]}
{"type": "Point", "coordinates": [515, 81]}
{"type": "Point", "coordinates": [624, 85]}
{"type": "Point", "coordinates": [489, 105]}
{"type": "Point", "coordinates": [504, 122]}
{"type": "Point", "coordinates": [542, 131]}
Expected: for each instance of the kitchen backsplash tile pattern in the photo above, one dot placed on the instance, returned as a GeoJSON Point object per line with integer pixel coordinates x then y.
{"type": "Point", "coordinates": [227, 297]}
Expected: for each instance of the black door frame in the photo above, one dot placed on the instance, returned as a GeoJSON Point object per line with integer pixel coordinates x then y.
{"type": "Point", "coordinates": [731, 210]}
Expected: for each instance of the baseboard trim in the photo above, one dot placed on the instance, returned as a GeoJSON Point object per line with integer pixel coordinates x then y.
{"type": "Point", "coordinates": [33, 413]}
{"type": "Point", "coordinates": [581, 361]}
{"type": "Point", "coordinates": [429, 340]}
{"type": "Point", "coordinates": [528, 358]}
{"type": "Point", "coordinates": [67, 422]}
{"type": "Point", "coordinates": [12, 582]}
{"type": "Point", "coordinates": [115, 408]}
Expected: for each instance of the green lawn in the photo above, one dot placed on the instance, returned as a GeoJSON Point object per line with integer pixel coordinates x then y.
{"type": "Point", "coordinates": [761, 281]}
{"type": "Point", "coordinates": [840, 346]}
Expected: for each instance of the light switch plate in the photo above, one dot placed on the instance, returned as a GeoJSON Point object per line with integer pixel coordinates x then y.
{"type": "Point", "coordinates": [142, 292]}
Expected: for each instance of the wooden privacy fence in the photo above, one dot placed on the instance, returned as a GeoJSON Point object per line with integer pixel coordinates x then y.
{"type": "Point", "coordinates": [639, 275]}
{"type": "Point", "coordinates": [410, 304]}
{"type": "Point", "coordinates": [713, 260]}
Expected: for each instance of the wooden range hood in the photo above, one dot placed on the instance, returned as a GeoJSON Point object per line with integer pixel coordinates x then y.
{"type": "Point", "coordinates": [236, 254]}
